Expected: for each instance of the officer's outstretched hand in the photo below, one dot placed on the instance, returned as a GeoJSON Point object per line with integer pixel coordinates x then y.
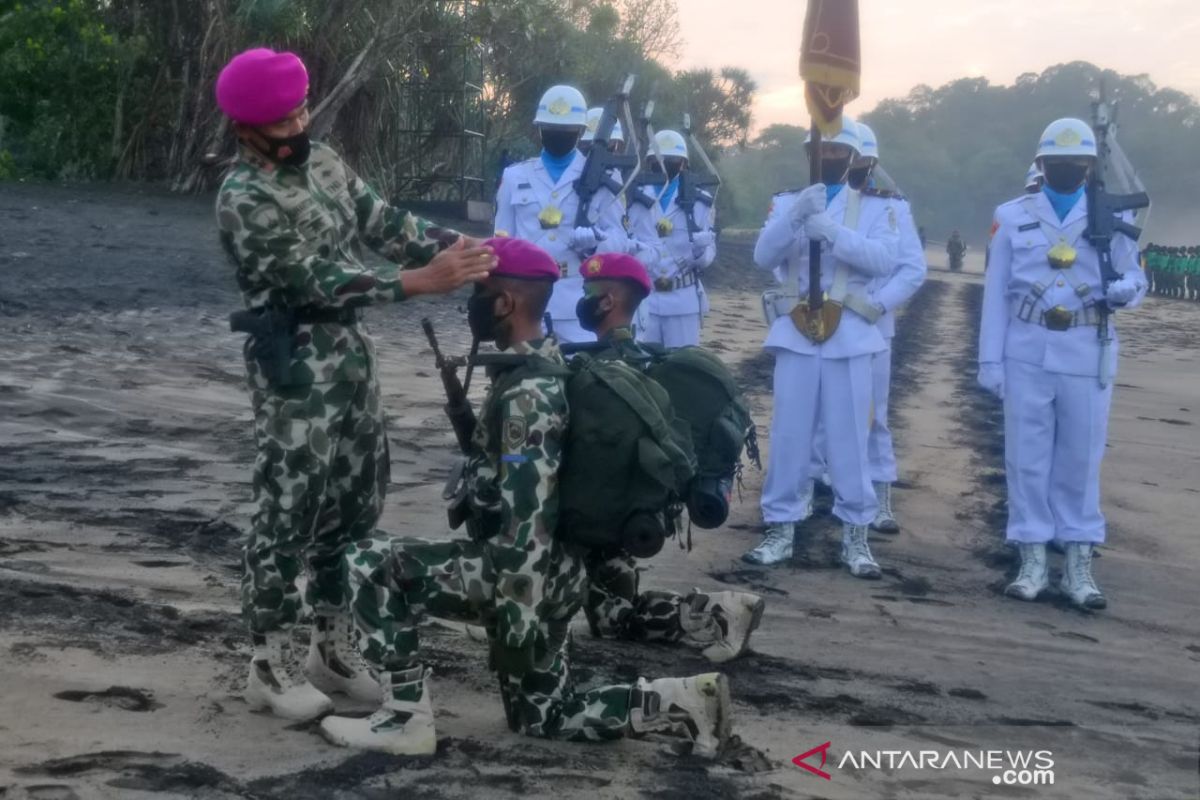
{"type": "Point", "coordinates": [1121, 291]}
{"type": "Point", "coordinates": [808, 202]}
{"type": "Point", "coordinates": [991, 377]}
{"type": "Point", "coordinates": [457, 265]}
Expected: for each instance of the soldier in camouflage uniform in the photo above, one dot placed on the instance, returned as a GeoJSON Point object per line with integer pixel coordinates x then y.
{"type": "Point", "coordinates": [719, 623]}
{"type": "Point", "coordinates": [293, 218]}
{"type": "Point", "coordinates": [512, 575]}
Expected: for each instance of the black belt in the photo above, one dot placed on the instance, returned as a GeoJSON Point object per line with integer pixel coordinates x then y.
{"type": "Point", "coordinates": [310, 315]}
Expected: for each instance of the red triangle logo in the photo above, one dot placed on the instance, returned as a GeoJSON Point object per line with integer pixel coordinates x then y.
{"type": "Point", "coordinates": [800, 759]}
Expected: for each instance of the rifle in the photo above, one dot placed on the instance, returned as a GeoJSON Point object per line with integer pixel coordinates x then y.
{"type": "Point", "coordinates": [691, 181]}
{"type": "Point", "coordinates": [1103, 223]}
{"type": "Point", "coordinates": [600, 163]}
{"type": "Point", "coordinates": [462, 420]}
{"type": "Point", "coordinates": [644, 177]}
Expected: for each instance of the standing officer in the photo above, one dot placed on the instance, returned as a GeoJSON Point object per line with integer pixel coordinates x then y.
{"type": "Point", "coordinates": [513, 574]}
{"type": "Point", "coordinates": [293, 219]}
{"type": "Point", "coordinates": [824, 380]}
{"type": "Point", "coordinates": [1039, 352]}
{"type": "Point", "coordinates": [1034, 179]}
{"type": "Point", "coordinates": [615, 142]}
{"type": "Point", "coordinates": [538, 202]}
{"type": "Point", "coordinates": [674, 254]}
{"type": "Point", "coordinates": [719, 624]}
{"type": "Point", "coordinates": [888, 294]}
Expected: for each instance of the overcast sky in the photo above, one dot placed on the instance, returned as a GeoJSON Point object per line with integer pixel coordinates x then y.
{"type": "Point", "coordinates": [908, 42]}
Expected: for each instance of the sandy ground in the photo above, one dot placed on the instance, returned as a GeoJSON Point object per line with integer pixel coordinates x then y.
{"type": "Point", "coordinates": [125, 446]}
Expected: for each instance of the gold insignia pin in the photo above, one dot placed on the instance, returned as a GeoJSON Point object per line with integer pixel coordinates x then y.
{"type": "Point", "coordinates": [1068, 138]}
{"type": "Point", "coordinates": [550, 217]}
{"type": "Point", "coordinates": [594, 266]}
{"type": "Point", "coordinates": [664, 227]}
{"type": "Point", "coordinates": [1061, 255]}
{"type": "Point", "coordinates": [559, 107]}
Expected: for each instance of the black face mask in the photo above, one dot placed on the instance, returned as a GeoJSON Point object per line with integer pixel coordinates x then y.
{"type": "Point", "coordinates": [1063, 176]}
{"type": "Point", "coordinates": [833, 170]}
{"type": "Point", "coordinates": [858, 177]}
{"type": "Point", "coordinates": [674, 167]}
{"type": "Point", "coordinates": [558, 143]}
{"type": "Point", "coordinates": [481, 316]}
{"type": "Point", "coordinates": [589, 313]}
{"type": "Point", "coordinates": [299, 146]}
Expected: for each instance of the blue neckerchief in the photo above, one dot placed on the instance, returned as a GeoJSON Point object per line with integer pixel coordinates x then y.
{"type": "Point", "coordinates": [557, 165]}
{"type": "Point", "coordinates": [1063, 203]}
{"type": "Point", "coordinates": [831, 191]}
{"type": "Point", "coordinates": [669, 193]}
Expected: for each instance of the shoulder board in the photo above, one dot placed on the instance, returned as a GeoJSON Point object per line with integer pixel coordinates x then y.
{"type": "Point", "coordinates": [886, 194]}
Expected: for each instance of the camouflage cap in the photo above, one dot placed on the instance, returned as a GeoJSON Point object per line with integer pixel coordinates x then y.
{"type": "Point", "coordinates": [518, 258]}
{"type": "Point", "coordinates": [616, 267]}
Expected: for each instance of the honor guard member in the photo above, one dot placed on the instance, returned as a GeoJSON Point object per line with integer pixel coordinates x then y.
{"type": "Point", "coordinates": [719, 624]}
{"type": "Point", "coordinates": [537, 202]}
{"type": "Point", "coordinates": [888, 294]}
{"type": "Point", "coordinates": [1039, 351]}
{"type": "Point", "coordinates": [824, 376]}
{"type": "Point", "coordinates": [293, 219]}
{"type": "Point", "coordinates": [1034, 179]}
{"type": "Point", "coordinates": [512, 575]}
{"type": "Point", "coordinates": [673, 256]}
{"type": "Point", "coordinates": [616, 140]}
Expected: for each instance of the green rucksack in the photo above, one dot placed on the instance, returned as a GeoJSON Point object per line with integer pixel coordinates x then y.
{"type": "Point", "coordinates": [627, 461]}
{"type": "Point", "coordinates": [705, 395]}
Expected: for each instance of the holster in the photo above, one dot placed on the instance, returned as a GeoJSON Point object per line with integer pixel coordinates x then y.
{"type": "Point", "coordinates": [272, 338]}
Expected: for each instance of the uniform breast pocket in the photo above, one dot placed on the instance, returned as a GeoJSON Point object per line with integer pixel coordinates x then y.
{"type": "Point", "coordinates": [1029, 250]}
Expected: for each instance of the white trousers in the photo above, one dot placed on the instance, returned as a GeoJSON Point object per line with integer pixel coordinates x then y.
{"type": "Point", "coordinates": [678, 330]}
{"type": "Point", "coordinates": [835, 392]}
{"type": "Point", "coordinates": [1055, 429]}
{"type": "Point", "coordinates": [881, 453]}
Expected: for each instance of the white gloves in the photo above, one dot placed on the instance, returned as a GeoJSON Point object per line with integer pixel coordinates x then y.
{"type": "Point", "coordinates": [808, 202]}
{"type": "Point", "coordinates": [991, 377]}
{"type": "Point", "coordinates": [584, 240]}
{"type": "Point", "coordinates": [821, 227]}
{"type": "Point", "coordinates": [1121, 291]}
{"type": "Point", "coordinates": [701, 241]}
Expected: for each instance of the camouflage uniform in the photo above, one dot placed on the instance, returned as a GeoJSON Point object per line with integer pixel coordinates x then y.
{"type": "Point", "coordinates": [295, 236]}
{"type": "Point", "coordinates": [512, 576]}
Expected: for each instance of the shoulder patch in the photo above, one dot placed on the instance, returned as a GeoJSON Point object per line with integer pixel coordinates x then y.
{"type": "Point", "coordinates": [995, 227]}
{"type": "Point", "coordinates": [513, 432]}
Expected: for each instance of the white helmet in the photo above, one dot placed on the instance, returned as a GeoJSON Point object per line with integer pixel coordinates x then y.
{"type": "Point", "coordinates": [868, 143]}
{"type": "Point", "coordinates": [671, 144]}
{"type": "Point", "coordinates": [561, 105]}
{"type": "Point", "coordinates": [1033, 176]}
{"type": "Point", "coordinates": [847, 136]}
{"type": "Point", "coordinates": [1067, 137]}
{"type": "Point", "coordinates": [593, 122]}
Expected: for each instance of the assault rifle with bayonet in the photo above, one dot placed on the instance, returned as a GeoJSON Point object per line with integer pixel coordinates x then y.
{"type": "Point", "coordinates": [601, 166]}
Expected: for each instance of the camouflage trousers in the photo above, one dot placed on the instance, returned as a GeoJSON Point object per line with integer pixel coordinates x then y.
{"type": "Point", "coordinates": [616, 608]}
{"type": "Point", "coordinates": [319, 483]}
{"type": "Point", "coordinates": [396, 580]}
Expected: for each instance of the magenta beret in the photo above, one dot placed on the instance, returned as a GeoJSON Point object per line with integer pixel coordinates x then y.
{"type": "Point", "coordinates": [521, 259]}
{"type": "Point", "coordinates": [260, 86]}
{"type": "Point", "coordinates": [616, 267]}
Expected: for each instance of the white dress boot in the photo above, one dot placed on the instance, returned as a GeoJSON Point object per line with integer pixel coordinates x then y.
{"type": "Point", "coordinates": [276, 684]}
{"type": "Point", "coordinates": [775, 547]}
{"type": "Point", "coordinates": [720, 623]}
{"type": "Point", "coordinates": [403, 725]}
{"type": "Point", "coordinates": [335, 664]}
{"type": "Point", "coordinates": [1034, 577]}
{"type": "Point", "coordinates": [1077, 582]}
{"type": "Point", "coordinates": [856, 553]}
{"type": "Point", "coordinates": [696, 709]}
{"type": "Point", "coordinates": [885, 520]}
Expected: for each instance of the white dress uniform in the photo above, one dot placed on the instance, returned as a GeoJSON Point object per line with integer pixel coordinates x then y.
{"type": "Point", "coordinates": [671, 317]}
{"type": "Point", "coordinates": [525, 190]}
{"type": "Point", "coordinates": [890, 294]}
{"type": "Point", "coordinates": [828, 382]}
{"type": "Point", "coordinates": [1040, 324]}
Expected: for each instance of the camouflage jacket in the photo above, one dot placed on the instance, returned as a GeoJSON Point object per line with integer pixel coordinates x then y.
{"type": "Point", "coordinates": [295, 236]}
{"type": "Point", "coordinates": [518, 451]}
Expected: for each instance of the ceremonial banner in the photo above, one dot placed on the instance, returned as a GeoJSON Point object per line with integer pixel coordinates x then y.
{"type": "Point", "coordinates": [830, 61]}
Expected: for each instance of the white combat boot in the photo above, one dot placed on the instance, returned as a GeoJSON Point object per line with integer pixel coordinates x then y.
{"type": "Point", "coordinates": [335, 664]}
{"type": "Point", "coordinates": [856, 553]}
{"type": "Point", "coordinates": [885, 520]}
{"type": "Point", "coordinates": [695, 709]}
{"type": "Point", "coordinates": [1033, 578]}
{"type": "Point", "coordinates": [276, 684]}
{"type": "Point", "coordinates": [775, 547]}
{"type": "Point", "coordinates": [720, 623]}
{"type": "Point", "coordinates": [1077, 582]}
{"type": "Point", "coordinates": [403, 726]}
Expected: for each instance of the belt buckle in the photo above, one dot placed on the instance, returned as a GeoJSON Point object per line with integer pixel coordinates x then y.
{"type": "Point", "coordinates": [1058, 318]}
{"type": "Point", "coordinates": [664, 284]}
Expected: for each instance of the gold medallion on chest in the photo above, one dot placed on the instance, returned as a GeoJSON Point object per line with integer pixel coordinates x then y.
{"type": "Point", "coordinates": [550, 217]}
